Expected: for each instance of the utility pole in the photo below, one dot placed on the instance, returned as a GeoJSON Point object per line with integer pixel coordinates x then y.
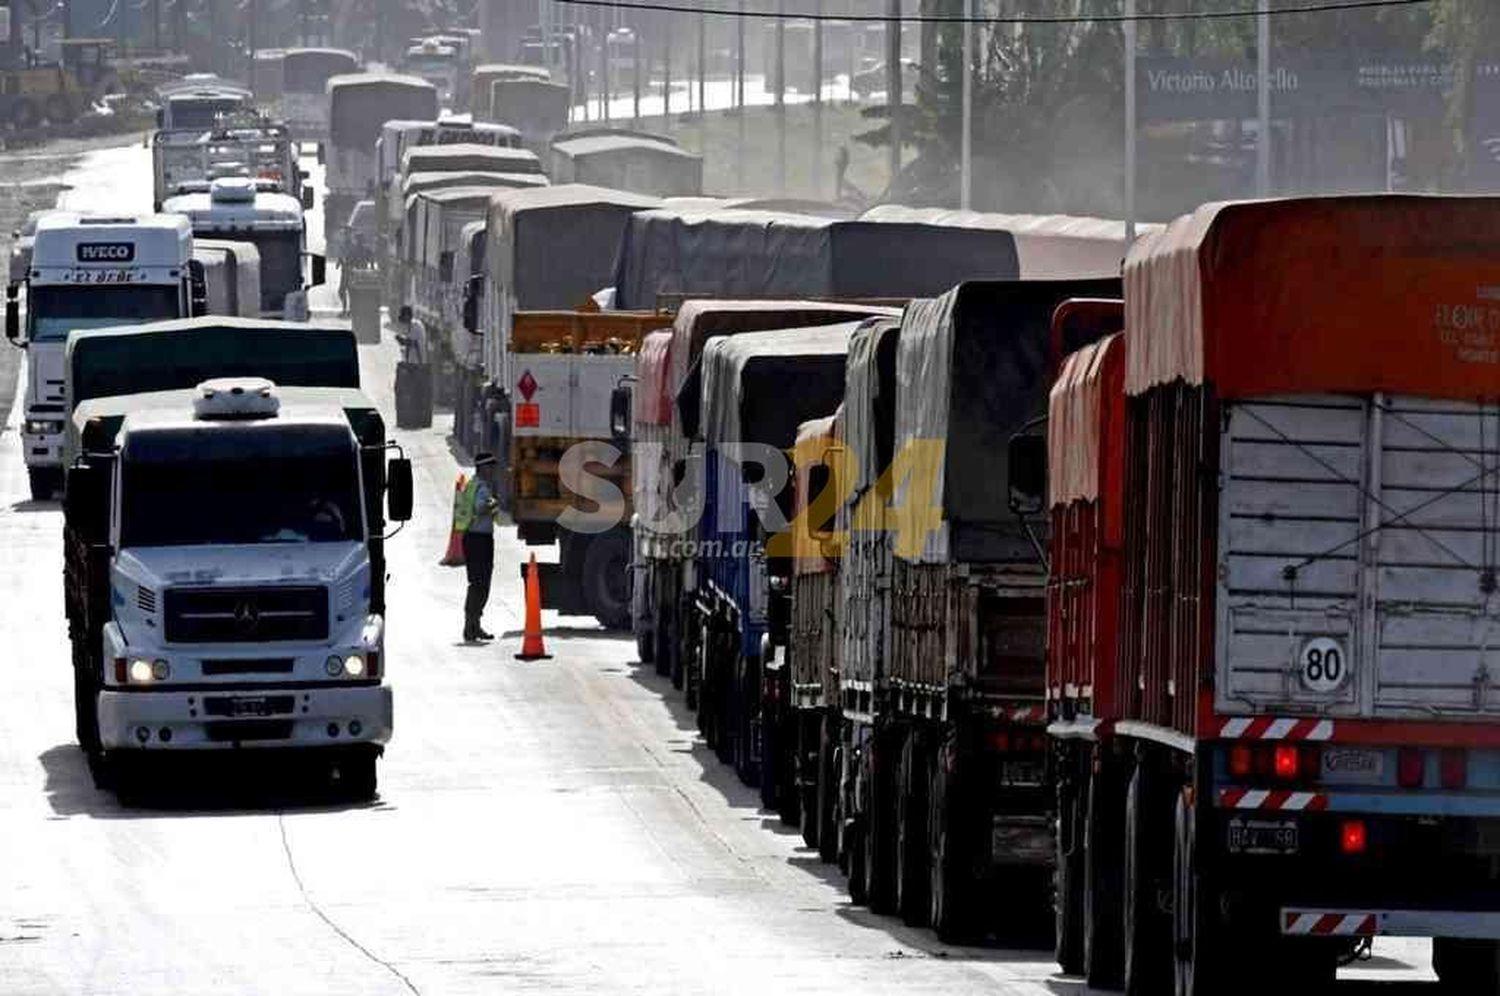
{"type": "Point", "coordinates": [1129, 33]}
{"type": "Point", "coordinates": [893, 83]}
{"type": "Point", "coordinates": [637, 60]}
{"type": "Point", "coordinates": [155, 25]}
{"type": "Point", "coordinates": [702, 62]}
{"type": "Point", "coordinates": [966, 142]}
{"type": "Point", "coordinates": [1263, 100]}
{"type": "Point", "coordinates": [739, 96]}
{"type": "Point", "coordinates": [606, 63]}
{"type": "Point", "coordinates": [666, 76]}
{"type": "Point", "coordinates": [817, 108]}
{"type": "Point", "coordinates": [781, 97]}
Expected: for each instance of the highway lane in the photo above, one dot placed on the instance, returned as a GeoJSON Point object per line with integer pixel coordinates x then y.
{"type": "Point", "coordinates": [552, 826]}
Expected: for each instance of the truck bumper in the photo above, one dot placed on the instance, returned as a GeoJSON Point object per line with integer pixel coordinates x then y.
{"type": "Point", "coordinates": [42, 450]}
{"type": "Point", "coordinates": [276, 718]}
{"type": "Point", "coordinates": [1301, 921]}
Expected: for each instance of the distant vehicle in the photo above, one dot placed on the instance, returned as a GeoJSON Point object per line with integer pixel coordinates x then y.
{"type": "Point", "coordinates": [198, 106]}
{"type": "Point", "coordinates": [89, 272]}
{"type": "Point", "coordinates": [639, 162]}
{"type": "Point", "coordinates": [359, 106]}
{"type": "Point", "coordinates": [483, 79]}
{"type": "Point", "coordinates": [274, 223]}
{"type": "Point", "coordinates": [243, 144]}
{"type": "Point", "coordinates": [305, 73]}
{"type": "Point", "coordinates": [442, 66]}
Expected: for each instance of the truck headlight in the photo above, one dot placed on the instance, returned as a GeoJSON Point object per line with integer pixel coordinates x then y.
{"type": "Point", "coordinates": [352, 666]}
{"type": "Point", "coordinates": [42, 427]}
{"type": "Point", "coordinates": [144, 672]}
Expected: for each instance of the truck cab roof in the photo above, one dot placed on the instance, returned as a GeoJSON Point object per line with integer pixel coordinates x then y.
{"type": "Point", "coordinates": [238, 206]}
{"type": "Point", "coordinates": [72, 240]}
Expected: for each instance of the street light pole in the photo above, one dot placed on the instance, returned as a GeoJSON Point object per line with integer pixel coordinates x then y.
{"type": "Point", "coordinates": [1129, 33]}
{"type": "Point", "coordinates": [1263, 100]}
{"type": "Point", "coordinates": [966, 142]}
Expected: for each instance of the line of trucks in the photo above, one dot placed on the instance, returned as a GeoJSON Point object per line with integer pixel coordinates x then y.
{"type": "Point", "coordinates": [226, 486]}
{"type": "Point", "coordinates": [1147, 615]}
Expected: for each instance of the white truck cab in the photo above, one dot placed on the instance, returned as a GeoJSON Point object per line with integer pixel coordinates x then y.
{"type": "Point", "coordinates": [88, 272]}
{"type": "Point", "coordinates": [235, 208]}
{"type": "Point", "coordinates": [236, 524]}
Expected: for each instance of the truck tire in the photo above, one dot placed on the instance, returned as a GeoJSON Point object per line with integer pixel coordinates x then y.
{"type": "Point", "coordinates": [1103, 860]}
{"type": "Point", "coordinates": [827, 795]}
{"type": "Point", "coordinates": [85, 711]}
{"type": "Point", "coordinates": [1466, 966]}
{"type": "Point", "coordinates": [1144, 934]}
{"type": "Point", "coordinates": [858, 872]}
{"type": "Point", "coordinates": [808, 775]}
{"type": "Point", "coordinates": [880, 838]}
{"type": "Point", "coordinates": [912, 871]}
{"type": "Point", "coordinates": [952, 899]}
{"type": "Point", "coordinates": [59, 109]}
{"type": "Point", "coordinates": [606, 579]}
{"type": "Point", "coordinates": [1197, 957]}
{"type": "Point", "coordinates": [24, 114]}
{"type": "Point", "coordinates": [413, 396]}
{"type": "Point", "coordinates": [743, 700]}
{"type": "Point", "coordinates": [1068, 873]}
{"type": "Point", "coordinates": [45, 482]}
{"type": "Point", "coordinates": [355, 778]}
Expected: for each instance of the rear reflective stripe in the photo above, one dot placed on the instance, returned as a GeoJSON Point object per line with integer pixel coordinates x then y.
{"type": "Point", "coordinates": [1316, 924]}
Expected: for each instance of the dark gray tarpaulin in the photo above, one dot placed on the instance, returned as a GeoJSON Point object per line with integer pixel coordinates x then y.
{"type": "Point", "coordinates": [361, 103]}
{"type": "Point", "coordinates": [973, 366]}
{"type": "Point", "coordinates": [767, 254]}
{"type": "Point", "coordinates": [760, 386]}
{"type": "Point", "coordinates": [551, 247]}
{"type": "Point", "coordinates": [642, 163]}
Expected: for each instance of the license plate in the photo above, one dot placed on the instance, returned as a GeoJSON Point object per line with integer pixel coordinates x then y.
{"type": "Point", "coordinates": [1263, 836]}
{"type": "Point", "coordinates": [1355, 765]}
{"type": "Point", "coordinates": [1021, 772]}
{"type": "Point", "coordinates": [258, 706]}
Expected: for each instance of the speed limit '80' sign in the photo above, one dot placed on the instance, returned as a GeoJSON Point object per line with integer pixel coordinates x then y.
{"type": "Point", "coordinates": [1323, 664]}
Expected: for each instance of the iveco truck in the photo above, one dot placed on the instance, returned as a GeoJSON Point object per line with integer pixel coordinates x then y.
{"type": "Point", "coordinates": [88, 272]}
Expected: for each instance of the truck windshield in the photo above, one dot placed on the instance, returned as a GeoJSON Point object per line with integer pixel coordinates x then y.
{"type": "Point", "coordinates": [56, 309]}
{"type": "Point", "coordinates": [312, 498]}
{"type": "Point", "coordinates": [201, 113]}
{"type": "Point", "coordinates": [280, 266]}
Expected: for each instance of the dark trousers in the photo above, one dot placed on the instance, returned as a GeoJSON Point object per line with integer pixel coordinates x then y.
{"type": "Point", "coordinates": [479, 560]}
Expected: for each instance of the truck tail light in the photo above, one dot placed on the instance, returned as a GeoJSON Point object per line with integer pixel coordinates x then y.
{"type": "Point", "coordinates": [1240, 760]}
{"type": "Point", "coordinates": [1352, 837]}
{"type": "Point", "coordinates": [1454, 768]}
{"type": "Point", "coordinates": [1410, 767]}
{"type": "Point", "coordinates": [1286, 761]}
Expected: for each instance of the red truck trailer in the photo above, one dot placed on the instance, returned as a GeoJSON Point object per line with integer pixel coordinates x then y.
{"type": "Point", "coordinates": [1297, 749]}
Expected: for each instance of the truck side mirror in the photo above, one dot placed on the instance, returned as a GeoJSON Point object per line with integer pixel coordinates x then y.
{"type": "Point", "coordinates": [12, 314]}
{"type": "Point", "coordinates": [398, 490]}
{"type": "Point", "coordinates": [308, 198]}
{"type": "Point", "coordinates": [86, 500]}
{"type": "Point", "coordinates": [319, 264]}
{"type": "Point", "coordinates": [473, 290]}
{"type": "Point", "coordinates": [619, 413]}
{"type": "Point", "coordinates": [197, 289]}
{"type": "Point", "coordinates": [445, 266]}
{"type": "Point", "coordinates": [1027, 465]}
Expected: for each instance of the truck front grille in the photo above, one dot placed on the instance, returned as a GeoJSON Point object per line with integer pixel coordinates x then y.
{"type": "Point", "coordinates": [246, 615]}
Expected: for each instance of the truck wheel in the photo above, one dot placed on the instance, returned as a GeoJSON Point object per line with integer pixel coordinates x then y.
{"type": "Point", "coordinates": [85, 711]}
{"type": "Point", "coordinates": [606, 579]}
{"type": "Point", "coordinates": [808, 776]}
{"type": "Point", "coordinates": [828, 790]}
{"type": "Point", "coordinates": [743, 704]}
{"type": "Point", "coordinates": [1146, 942]}
{"type": "Point", "coordinates": [45, 482]}
{"type": "Point", "coordinates": [355, 778]}
{"type": "Point", "coordinates": [858, 871]}
{"type": "Point", "coordinates": [1068, 874]}
{"type": "Point", "coordinates": [1466, 966]}
{"type": "Point", "coordinates": [23, 114]}
{"type": "Point", "coordinates": [1102, 862]}
{"type": "Point", "coordinates": [1197, 957]}
{"type": "Point", "coordinates": [645, 649]}
{"type": "Point", "coordinates": [880, 842]}
{"type": "Point", "coordinates": [912, 872]}
{"type": "Point", "coordinates": [59, 109]}
{"type": "Point", "coordinates": [951, 910]}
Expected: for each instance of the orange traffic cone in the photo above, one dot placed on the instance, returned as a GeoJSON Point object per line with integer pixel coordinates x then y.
{"type": "Point", "coordinates": [531, 638]}
{"type": "Point", "coordinates": [454, 555]}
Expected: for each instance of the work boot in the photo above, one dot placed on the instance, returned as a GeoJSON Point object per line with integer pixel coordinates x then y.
{"type": "Point", "coordinates": [483, 635]}
{"type": "Point", "coordinates": [471, 633]}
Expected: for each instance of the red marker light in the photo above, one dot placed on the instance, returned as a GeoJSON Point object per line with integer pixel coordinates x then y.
{"type": "Point", "coordinates": [1410, 767]}
{"type": "Point", "coordinates": [1352, 837]}
{"type": "Point", "coordinates": [1286, 761]}
{"type": "Point", "coordinates": [1239, 760]}
{"type": "Point", "coordinates": [1454, 768]}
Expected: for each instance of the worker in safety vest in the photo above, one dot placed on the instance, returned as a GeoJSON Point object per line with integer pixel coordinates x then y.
{"type": "Point", "coordinates": [475, 519]}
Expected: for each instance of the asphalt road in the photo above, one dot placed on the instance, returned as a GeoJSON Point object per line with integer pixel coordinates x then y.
{"type": "Point", "coordinates": [552, 826]}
